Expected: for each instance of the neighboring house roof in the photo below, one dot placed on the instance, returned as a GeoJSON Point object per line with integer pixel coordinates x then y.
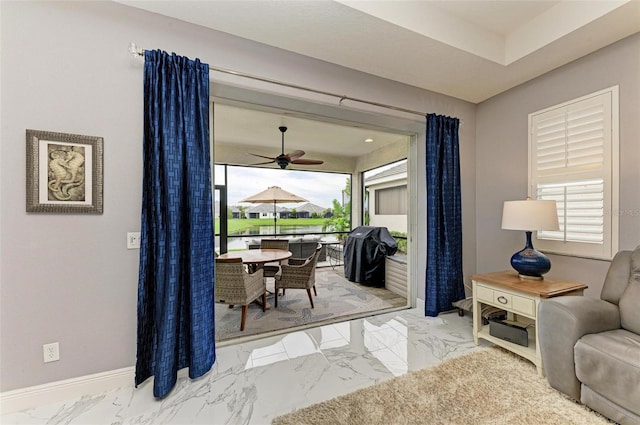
{"type": "Point", "coordinates": [311, 208]}
{"type": "Point", "coordinates": [265, 208]}
{"type": "Point", "coordinates": [398, 169]}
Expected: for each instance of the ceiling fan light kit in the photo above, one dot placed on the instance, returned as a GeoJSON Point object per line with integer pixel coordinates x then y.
{"type": "Point", "coordinates": [283, 160]}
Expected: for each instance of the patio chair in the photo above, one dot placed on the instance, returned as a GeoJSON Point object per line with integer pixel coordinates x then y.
{"type": "Point", "coordinates": [234, 286]}
{"type": "Point", "coordinates": [298, 274]}
{"type": "Point", "coordinates": [270, 269]}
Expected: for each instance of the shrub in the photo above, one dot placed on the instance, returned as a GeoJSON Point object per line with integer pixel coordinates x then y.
{"type": "Point", "coordinates": [402, 243]}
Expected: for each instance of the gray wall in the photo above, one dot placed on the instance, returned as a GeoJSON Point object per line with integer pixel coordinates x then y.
{"type": "Point", "coordinates": [501, 153]}
{"type": "Point", "coordinates": [65, 68]}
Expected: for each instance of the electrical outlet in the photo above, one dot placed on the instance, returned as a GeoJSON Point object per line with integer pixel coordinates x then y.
{"type": "Point", "coordinates": [51, 352]}
{"type": "Point", "coordinates": [133, 240]}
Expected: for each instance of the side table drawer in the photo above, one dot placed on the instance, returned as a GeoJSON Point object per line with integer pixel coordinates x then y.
{"type": "Point", "coordinates": [524, 305]}
{"type": "Point", "coordinates": [509, 301]}
{"type": "Point", "coordinates": [503, 299]}
{"type": "Point", "coordinates": [485, 294]}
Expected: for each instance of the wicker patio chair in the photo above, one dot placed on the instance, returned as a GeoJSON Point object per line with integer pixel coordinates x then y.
{"type": "Point", "coordinates": [270, 269]}
{"type": "Point", "coordinates": [234, 286]}
{"type": "Point", "coordinates": [298, 274]}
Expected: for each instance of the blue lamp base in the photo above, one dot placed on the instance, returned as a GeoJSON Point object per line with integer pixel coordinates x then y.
{"type": "Point", "coordinates": [530, 263]}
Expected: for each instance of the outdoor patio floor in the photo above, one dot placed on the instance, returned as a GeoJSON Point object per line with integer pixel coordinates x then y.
{"type": "Point", "coordinates": [296, 314]}
{"type": "Point", "coordinates": [392, 298]}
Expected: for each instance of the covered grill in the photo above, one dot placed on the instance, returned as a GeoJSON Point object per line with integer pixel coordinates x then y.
{"type": "Point", "coordinates": [364, 253]}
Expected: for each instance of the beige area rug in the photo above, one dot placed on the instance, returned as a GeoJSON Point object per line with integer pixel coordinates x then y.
{"type": "Point", "coordinates": [488, 386]}
{"type": "Point", "coordinates": [337, 298]}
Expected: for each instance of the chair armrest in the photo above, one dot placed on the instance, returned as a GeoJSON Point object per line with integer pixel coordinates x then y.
{"type": "Point", "coordinates": [257, 275]}
{"type": "Point", "coordinates": [255, 285]}
{"type": "Point", "coordinates": [562, 321]}
{"type": "Point", "coordinates": [297, 261]}
{"type": "Point", "coordinates": [287, 269]}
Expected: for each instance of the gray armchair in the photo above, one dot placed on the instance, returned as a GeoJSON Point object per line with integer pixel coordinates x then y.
{"type": "Point", "coordinates": [591, 347]}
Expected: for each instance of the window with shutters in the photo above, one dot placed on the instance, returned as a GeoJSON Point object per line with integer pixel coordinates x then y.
{"type": "Point", "coordinates": [391, 201]}
{"type": "Point", "coordinates": [573, 159]}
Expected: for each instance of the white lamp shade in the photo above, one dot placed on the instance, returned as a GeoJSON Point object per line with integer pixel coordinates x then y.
{"type": "Point", "coordinates": [530, 215]}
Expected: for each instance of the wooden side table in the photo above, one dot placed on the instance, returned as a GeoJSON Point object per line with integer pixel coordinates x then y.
{"type": "Point", "coordinates": [519, 298]}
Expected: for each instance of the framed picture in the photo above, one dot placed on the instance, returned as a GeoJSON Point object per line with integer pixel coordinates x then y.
{"type": "Point", "coordinates": [64, 173]}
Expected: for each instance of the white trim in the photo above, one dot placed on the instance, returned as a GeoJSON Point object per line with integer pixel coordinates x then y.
{"type": "Point", "coordinates": [615, 169]}
{"type": "Point", "coordinates": [612, 89]}
{"type": "Point", "coordinates": [420, 304]}
{"type": "Point", "coordinates": [412, 239]}
{"type": "Point", "coordinates": [53, 392]}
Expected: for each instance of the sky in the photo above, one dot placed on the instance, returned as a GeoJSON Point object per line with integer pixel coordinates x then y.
{"type": "Point", "coordinates": [319, 188]}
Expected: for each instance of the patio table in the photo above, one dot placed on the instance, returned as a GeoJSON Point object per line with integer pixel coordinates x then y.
{"type": "Point", "coordinates": [255, 257]}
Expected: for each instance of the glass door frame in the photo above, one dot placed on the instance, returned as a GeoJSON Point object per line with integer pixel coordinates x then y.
{"type": "Point", "coordinates": [223, 214]}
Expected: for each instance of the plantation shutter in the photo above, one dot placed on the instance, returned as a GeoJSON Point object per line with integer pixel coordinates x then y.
{"type": "Point", "coordinates": [570, 162]}
{"type": "Point", "coordinates": [391, 201]}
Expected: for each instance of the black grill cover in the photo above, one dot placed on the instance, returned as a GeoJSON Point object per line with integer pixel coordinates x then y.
{"type": "Point", "coordinates": [364, 253]}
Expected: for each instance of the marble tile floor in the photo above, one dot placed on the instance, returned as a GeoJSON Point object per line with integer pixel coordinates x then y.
{"type": "Point", "coordinates": [253, 382]}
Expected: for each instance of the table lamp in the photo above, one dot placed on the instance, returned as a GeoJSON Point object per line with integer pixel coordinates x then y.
{"type": "Point", "coordinates": [530, 215]}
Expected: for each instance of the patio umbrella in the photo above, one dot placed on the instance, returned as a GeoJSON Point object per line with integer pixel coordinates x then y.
{"type": "Point", "coordinates": [275, 195]}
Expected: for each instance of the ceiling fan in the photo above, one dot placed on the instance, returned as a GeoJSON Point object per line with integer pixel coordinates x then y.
{"type": "Point", "coordinates": [283, 160]}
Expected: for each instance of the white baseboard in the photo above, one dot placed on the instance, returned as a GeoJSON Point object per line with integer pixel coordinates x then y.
{"type": "Point", "coordinates": [53, 392]}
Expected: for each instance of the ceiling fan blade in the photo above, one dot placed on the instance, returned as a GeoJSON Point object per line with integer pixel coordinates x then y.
{"type": "Point", "coordinates": [283, 160]}
{"type": "Point", "coordinates": [295, 154]}
{"type": "Point", "coordinates": [307, 161]}
{"type": "Point", "coordinates": [261, 156]}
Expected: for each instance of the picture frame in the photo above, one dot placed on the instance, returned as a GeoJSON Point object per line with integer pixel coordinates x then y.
{"type": "Point", "coordinates": [64, 173]}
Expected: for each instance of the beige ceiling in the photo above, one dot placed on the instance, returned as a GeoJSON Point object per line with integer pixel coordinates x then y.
{"type": "Point", "coordinates": [468, 49]}
{"type": "Point", "coordinates": [258, 132]}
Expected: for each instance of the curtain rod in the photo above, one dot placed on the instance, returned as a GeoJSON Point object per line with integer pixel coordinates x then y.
{"type": "Point", "coordinates": [136, 51]}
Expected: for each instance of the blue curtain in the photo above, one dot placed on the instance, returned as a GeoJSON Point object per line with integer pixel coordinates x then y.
{"type": "Point", "coordinates": [444, 282]}
{"type": "Point", "coordinates": [176, 277]}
